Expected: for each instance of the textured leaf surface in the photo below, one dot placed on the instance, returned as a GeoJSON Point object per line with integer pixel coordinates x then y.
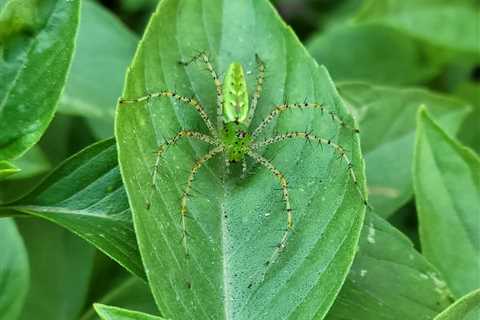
{"type": "Point", "coordinates": [389, 279]}
{"type": "Point", "coordinates": [113, 313]}
{"type": "Point", "coordinates": [381, 55]}
{"type": "Point", "coordinates": [452, 24]}
{"type": "Point", "coordinates": [60, 269]}
{"type": "Point", "coordinates": [465, 308]}
{"type": "Point", "coordinates": [36, 41]}
{"type": "Point", "coordinates": [234, 224]}
{"type": "Point", "coordinates": [104, 48]}
{"type": "Point", "coordinates": [446, 179]}
{"type": "Point", "coordinates": [387, 124]}
{"type": "Point", "coordinates": [14, 271]}
{"type": "Point", "coordinates": [85, 194]}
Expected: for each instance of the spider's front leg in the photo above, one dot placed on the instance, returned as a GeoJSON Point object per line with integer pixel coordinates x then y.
{"type": "Point", "coordinates": [171, 94]}
{"type": "Point", "coordinates": [203, 57]}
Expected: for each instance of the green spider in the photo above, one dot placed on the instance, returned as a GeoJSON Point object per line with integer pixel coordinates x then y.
{"type": "Point", "coordinates": [233, 138]}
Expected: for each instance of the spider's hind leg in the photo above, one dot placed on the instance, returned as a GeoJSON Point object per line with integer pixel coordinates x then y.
{"type": "Point", "coordinates": [284, 186]}
{"type": "Point", "coordinates": [258, 88]}
{"type": "Point", "coordinates": [163, 148]}
{"type": "Point", "coordinates": [188, 188]}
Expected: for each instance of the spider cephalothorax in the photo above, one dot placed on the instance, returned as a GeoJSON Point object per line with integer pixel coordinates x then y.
{"type": "Point", "coordinates": [233, 137]}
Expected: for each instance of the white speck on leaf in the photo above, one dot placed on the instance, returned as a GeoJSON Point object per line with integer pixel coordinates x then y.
{"type": "Point", "coordinates": [371, 234]}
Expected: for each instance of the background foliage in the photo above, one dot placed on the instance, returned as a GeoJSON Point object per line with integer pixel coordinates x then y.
{"type": "Point", "coordinates": [407, 71]}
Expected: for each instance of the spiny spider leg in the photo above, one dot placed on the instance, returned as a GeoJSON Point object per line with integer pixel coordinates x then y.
{"type": "Point", "coordinates": [195, 168]}
{"type": "Point", "coordinates": [172, 141]}
{"type": "Point", "coordinates": [258, 89]}
{"type": "Point", "coordinates": [218, 84]}
{"type": "Point", "coordinates": [284, 185]}
{"type": "Point", "coordinates": [284, 107]}
{"type": "Point", "coordinates": [190, 101]}
{"type": "Point", "coordinates": [244, 168]}
{"type": "Point", "coordinates": [322, 141]}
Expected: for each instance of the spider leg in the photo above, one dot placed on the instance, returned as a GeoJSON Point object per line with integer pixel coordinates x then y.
{"type": "Point", "coordinates": [258, 89]}
{"type": "Point", "coordinates": [342, 154]}
{"type": "Point", "coordinates": [284, 185]}
{"type": "Point", "coordinates": [299, 106]}
{"type": "Point", "coordinates": [244, 168]}
{"type": "Point", "coordinates": [190, 101]}
{"type": "Point", "coordinates": [203, 57]}
{"type": "Point", "coordinates": [170, 142]}
{"type": "Point", "coordinates": [183, 210]}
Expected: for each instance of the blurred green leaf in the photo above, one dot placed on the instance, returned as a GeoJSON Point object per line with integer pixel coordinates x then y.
{"type": "Point", "coordinates": [451, 24]}
{"type": "Point", "coordinates": [446, 180]}
{"type": "Point", "coordinates": [131, 293]}
{"type": "Point", "coordinates": [14, 271]}
{"type": "Point", "coordinates": [103, 51]}
{"type": "Point", "coordinates": [387, 127]}
{"type": "Point", "coordinates": [85, 194]}
{"type": "Point", "coordinates": [470, 132]}
{"type": "Point", "coordinates": [7, 169]}
{"type": "Point", "coordinates": [114, 313]}
{"type": "Point", "coordinates": [374, 53]}
{"type": "Point", "coordinates": [389, 279]}
{"type": "Point", "coordinates": [60, 268]}
{"type": "Point", "coordinates": [466, 308]}
{"type": "Point", "coordinates": [36, 47]}
{"type": "Point", "coordinates": [228, 254]}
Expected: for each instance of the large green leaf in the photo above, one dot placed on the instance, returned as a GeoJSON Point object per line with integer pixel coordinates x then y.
{"type": "Point", "coordinates": [36, 47]}
{"type": "Point", "coordinates": [446, 179]}
{"type": "Point", "coordinates": [465, 308]}
{"type": "Point", "coordinates": [469, 134]}
{"type": "Point", "coordinates": [14, 271]}
{"type": "Point", "coordinates": [389, 279]}
{"type": "Point", "coordinates": [234, 224]}
{"type": "Point", "coordinates": [104, 49]}
{"type": "Point", "coordinates": [85, 194]}
{"type": "Point", "coordinates": [114, 313]}
{"type": "Point", "coordinates": [387, 125]}
{"type": "Point", "coordinates": [452, 24]}
{"type": "Point", "coordinates": [373, 53]}
{"type": "Point", "coordinates": [60, 268]}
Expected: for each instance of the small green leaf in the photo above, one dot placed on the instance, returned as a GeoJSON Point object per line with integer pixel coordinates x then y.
{"type": "Point", "coordinates": [451, 24]}
{"type": "Point", "coordinates": [7, 169]}
{"type": "Point", "coordinates": [132, 293]}
{"type": "Point", "coordinates": [36, 45]}
{"type": "Point", "coordinates": [446, 180]}
{"type": "Point", "coordinates": [14, 271]}
{"type": "Point", "coordinates": [60, 269]}
{"type": "Point", "coordinates": [114, 313]}
{"type": "Point", "coordinates": [465, 308]}
{"type": "Point", "coordinates": [85, 194]}
{"type": "Point", "coordinates": [373, 53]}
{"type": "Point", "coordinates": [387, 128]}
{"type": "Point", "coordinates": [223, 276]}
{"type": "Point", "coordinates": [104, 47]}
{"type": "Point", "coordinates": [389, 279]}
